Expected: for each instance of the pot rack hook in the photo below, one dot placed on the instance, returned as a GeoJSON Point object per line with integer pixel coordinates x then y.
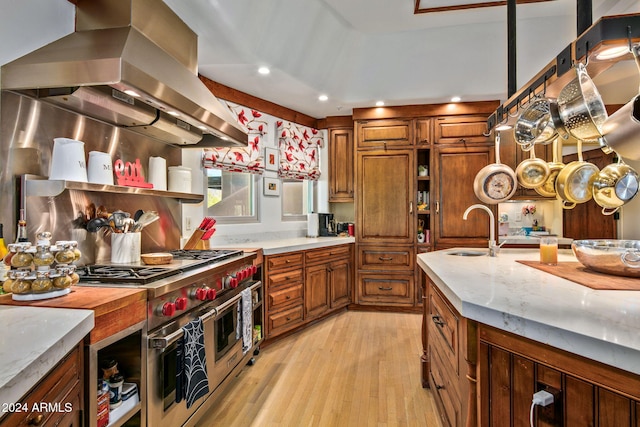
{"type": "Point", "coordinates": [517, 110]}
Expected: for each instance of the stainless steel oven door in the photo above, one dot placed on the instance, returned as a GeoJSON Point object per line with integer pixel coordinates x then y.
{"type": "Point", "coordinates": [162, 408]}
{"type": "Point", "coordinates": [227, 346]}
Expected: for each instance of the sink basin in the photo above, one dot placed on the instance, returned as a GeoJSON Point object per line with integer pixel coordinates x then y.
{"type": "Point", "coordinates": [467, 253]}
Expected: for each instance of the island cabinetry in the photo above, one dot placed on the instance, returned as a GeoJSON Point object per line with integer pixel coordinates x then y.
{"type": "Point", "coordinates": [341, 164]}
{"type": "Point", "coordinates": [303, 286]}
{"type": "Point", "coordinates": [587, 393]}
{"type": "Point", "coordinates": [384, 134]}
{"type": "Point", "coordinates": [56, 401]}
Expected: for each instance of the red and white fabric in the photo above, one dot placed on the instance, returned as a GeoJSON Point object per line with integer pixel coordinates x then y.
{"type": "Point", "coordinates": [299, 151]}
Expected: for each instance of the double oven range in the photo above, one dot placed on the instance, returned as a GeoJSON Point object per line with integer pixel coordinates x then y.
{"type": "Point", "coordinates": [198, 284]}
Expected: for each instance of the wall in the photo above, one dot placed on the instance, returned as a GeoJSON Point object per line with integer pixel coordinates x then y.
{"type": "Point", "coordinates": [546, 213]}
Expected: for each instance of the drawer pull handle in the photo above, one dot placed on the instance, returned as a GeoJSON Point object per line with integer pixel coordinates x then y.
{"type": "Point", "coordinates": [437, 321]}
{"type": "Point", "coordinates": [288, 297]}
{"type": "Point", "coordinates": [439, 387]}
{"type": "Point", "coordinates": [287, 261]}
{"type": "Point", "coordinates": [36, 421]}
{"type": "Point", "coordinates": [288, 318]}
{"type": "Point", "coordinates": [385, 289]}
{"type": "Point", "coordinates": [385, 258]}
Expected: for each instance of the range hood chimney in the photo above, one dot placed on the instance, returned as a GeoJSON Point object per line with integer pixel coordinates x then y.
{"type": "Point", "coordinates": [131, 63]}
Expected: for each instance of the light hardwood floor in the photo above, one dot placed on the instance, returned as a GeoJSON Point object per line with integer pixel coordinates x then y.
{"type": "Point", "coordinates": [352, 369]}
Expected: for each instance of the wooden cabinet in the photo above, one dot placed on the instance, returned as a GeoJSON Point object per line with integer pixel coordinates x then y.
{"type": "Point", "coordinates": [303, 286]}
{"type": "Point", "coordinates": [391, 289]}
{"type": "Point", "coordinates": [461, 129]}
{"type": "Point", "coordinates": [341, 165]}
{"type": "Point", "coordinates": [586, 393]}
{"type": "Point", "coordinates": [385, 203]}
{"type": "Point", "coordinates": [56, 401]}
{"type": "Point", "coordinates": [424, 132]}
{"type": "Point", "coordinates": [384, 134]}
{"type": "Point", "coordinates": [456, 167]}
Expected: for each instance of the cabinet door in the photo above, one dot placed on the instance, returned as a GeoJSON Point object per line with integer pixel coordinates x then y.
{"type": "Point", "coordinates": [456, 169]}
{"type": "Point", "coordinates": [316, 291]}
{"type": "Point", "coordinates": [424, 130]}
{"type": "Point", "coordinates": [461, 129]}
{"type": "Point", "coordinates": [340, 283]}
{"type": "Point", "coordinates": [385, 210]}
{"type": "Point", "coordinates": [384, 133]}
{"type": "Point", "coordinates": [341, 165]}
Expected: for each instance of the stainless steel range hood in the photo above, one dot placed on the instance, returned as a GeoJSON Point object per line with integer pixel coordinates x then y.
{"type": "Point", "coordinates": [131, 63]}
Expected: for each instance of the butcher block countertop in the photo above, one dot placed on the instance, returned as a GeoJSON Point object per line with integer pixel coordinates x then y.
{"type": "Point", "coordinates": [114, 309]}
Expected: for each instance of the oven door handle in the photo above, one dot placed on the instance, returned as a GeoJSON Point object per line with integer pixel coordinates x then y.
{"type": "Point", "coordinates": [161, 342]}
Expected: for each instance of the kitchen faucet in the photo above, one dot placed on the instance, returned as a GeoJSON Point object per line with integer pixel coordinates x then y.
{"type": "Point", "coordinates": [493, 246]}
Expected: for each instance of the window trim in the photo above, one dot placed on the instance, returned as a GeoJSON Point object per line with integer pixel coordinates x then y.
{"type": "Point", "coordinates": [248, 219]}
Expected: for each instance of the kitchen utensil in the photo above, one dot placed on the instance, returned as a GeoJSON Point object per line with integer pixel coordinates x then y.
{"type": "Point", "coordinates": [614, 186]}
{"type": "Point", "coordinates": [145, 219]}
{"type": "Point", "coordinates": [534, 126]}
{"type": "Point", "coordinates": [581, 108]}
{"type": "Point", "coordinates": [195, 238]}
{"type": "Point", "coordinates": [621, 131]}
{"type": "Point", "coordinates": [157, 258]}
{"type": "Point", "coordinates": [68, 160]}
{"type": "Point", "coordinates": [117, 220]}
{"type": "Point", "coordinates": [96, 223]}
{"type": "Point", "coordinates": [548, 188]}
{"type": "Point", "coordinates": [617, 257]}
{"type": "Point", "coordinates": [557, 121]}
{"type": "Point", "coordinates": [532, 172]}
{"type": "Point", "coordinates": [496, 182]}
{"type": "Point", "coordinates": [179, 179]}
{"type": "Point", "coordinates": [101, 212]}
{"type": "Point", "coordinates": [158, 173]}
{"type": "Point", "coordinates": [573, 182]}
{"type": "Point", "coordinates": [100, 168]}
{"type": "Point", "coordinates": [137, 214]}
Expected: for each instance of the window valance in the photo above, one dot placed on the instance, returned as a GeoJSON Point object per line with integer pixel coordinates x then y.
{"type": "Point", "coordinates": [299, 151]}
{"type": "Point", "coordinates": [240, 159]}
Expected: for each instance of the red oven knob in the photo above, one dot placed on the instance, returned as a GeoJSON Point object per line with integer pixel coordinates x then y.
{"type": "Point", "coordinates": [233, 282]}
{"type": "Point", "coordinates": [201, 294]}
{"type": "Point", "coordinates": [241, 275]}
{"type": "Point", "coordinates": [168, 309]}
{"type": "Point", "coordinates": [249, 271]}
{"type": "Point", "coordinates": [254, 269]}
{"type": "Point", "coordinates": [211, 294]}
{"type": "Point", "coordinates": [181, 303]}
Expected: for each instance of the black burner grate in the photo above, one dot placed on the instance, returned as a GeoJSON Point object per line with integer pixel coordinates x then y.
{"type": "Point", "coordinates": [123, 274]}
{"type": "Point", "coordinates": [209, 255]}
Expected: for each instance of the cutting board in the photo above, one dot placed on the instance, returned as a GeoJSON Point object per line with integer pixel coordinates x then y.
{"type": "Point", "coordinates": [114, 309]}
{"type": "Point", "coordinates": [578, 273]}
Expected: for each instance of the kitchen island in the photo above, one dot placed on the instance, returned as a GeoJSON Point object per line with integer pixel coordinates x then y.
{"type": "Point", "coordinates": [502, 330]}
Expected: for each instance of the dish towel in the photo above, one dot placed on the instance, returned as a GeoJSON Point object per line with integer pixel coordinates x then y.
{"type": "Point", "coordinates": [246, 320]}
{"type": "Point", "coordinates": [194, 382]}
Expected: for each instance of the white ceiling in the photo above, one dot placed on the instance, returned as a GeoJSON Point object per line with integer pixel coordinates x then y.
{"type": "Point", "coordinates": [360, 51]}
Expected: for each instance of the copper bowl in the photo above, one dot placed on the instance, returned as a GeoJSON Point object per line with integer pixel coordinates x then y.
{"type": "Point", "coordinates": [617, 257]}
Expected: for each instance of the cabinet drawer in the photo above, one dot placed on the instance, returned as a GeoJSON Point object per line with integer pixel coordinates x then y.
{"type": "Point", "coordinates": [284, 320]}
{"type": "Point", "coordinates": [326, 255]}
{"type": "Point", "coordinates": [463, 129]}
{"type": "Point", "coordinates": [285, 278]}
{"type": "Point", "coordinates": [284, 296]}
{"type": "Point", "coordinates": [443, 329]}
{"type": "Point", "coordinates": [61, 387]}
{"type": "Point", "coordinates": [444, 390]}
{"type": "Point", "coordinates": [287, 260]}
{"type": "Point", "coordinates": [386, 289]}
{"type": "Point", "coordinates": [386, 258]}
{"type": "Point", "coordinates": [384, 133]}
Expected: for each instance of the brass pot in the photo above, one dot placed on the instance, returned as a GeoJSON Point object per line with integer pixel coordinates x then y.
{"type": "Point", "coordinates": [614, 186]}
{"type": "Point", "coordinates": [548, 189]}
{"type": "Point", "coordinates": [496, 182]}
{"type": "Point", "coordinates": [573, 184]}
{"type": "Point", "coordinates": [532, 172]}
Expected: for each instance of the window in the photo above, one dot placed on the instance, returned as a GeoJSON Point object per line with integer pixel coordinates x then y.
{"type": "Point", "coordinates": [298, 199]}
{"type": "Point", "coordinates": [231, 196]}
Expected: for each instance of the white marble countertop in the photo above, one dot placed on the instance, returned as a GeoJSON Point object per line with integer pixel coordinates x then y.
{"type": "Point", "coordinates": [278, 246]}
{"type": "Point", "coordinates": [530, 240]}
{"type": "Point", "coordinates": [34, 340]}
{"type": "Point", "coordinates": [500, 292]}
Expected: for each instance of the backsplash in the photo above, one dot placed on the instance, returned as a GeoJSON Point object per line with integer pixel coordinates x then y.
{"type": "Point", "coordinates": [526, 213]}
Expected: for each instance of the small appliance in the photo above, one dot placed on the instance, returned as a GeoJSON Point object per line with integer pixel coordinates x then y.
{"type": "Point", "coordinates": [326, 225]}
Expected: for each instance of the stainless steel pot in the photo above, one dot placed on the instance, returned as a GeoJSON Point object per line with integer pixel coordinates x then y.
{"type": "Point", "coordinates": [532, 172]}
{"type": "Point", "coordinates": [496, 182]}
{"type": "Point", "coordinates": [534, 125]}
{"type": "Point", "coordinates": [618, 257]}
{"type": "Point", "coordinates": [581, 107]}
{"type": "Point", "coordinates": [614, 186]}
{"type": "Point", "coordinates": [573, 182]}
{"type": "Point", "coordinates": [548, 188]}
{"type": "Point", "coordinates": [621, 131]}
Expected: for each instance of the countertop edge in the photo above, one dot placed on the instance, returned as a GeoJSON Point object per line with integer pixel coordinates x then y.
{"type": "Point", "coordinates": [36, 362]}
{"type": "Point", "coordinates": [279, 246]}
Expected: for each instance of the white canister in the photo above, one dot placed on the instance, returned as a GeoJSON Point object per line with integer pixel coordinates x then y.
{"type": "Point", "coordinates": [100, 169]}
{"type": "Point", "coordinates": [68, 161]}
{"type": "Point", "coordinates": [125, 248]}
{"type": "Point", "coordinates": [179, 179]}
{"type": "Point", "coordinates": [158, 173]}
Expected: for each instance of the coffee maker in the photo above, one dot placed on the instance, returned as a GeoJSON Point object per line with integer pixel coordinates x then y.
{"type": "Point", "coordinates": [326, 225]}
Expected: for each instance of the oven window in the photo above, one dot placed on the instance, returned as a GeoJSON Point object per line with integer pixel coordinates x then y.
{"type": "Point", "coordinates": [169, 364]}
{"type": "Point", "coordinates": [226, 331]}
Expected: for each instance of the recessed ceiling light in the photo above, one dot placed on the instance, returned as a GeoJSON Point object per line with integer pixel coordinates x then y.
{"type": "Point", "coordinates": [132, 93]}
{"type": "Point", "coordinates": [455, 99]}
{"type": "Point", "coordinates": [379, 103]}
{"type": "Point", "coordinates": [323, 97]}
{"type": "Point", "coordinates": [613, 52]}
{"type": "Point", "coordinates": [264, 70]}
{"type": "Point", "coordinates": [173, 113]}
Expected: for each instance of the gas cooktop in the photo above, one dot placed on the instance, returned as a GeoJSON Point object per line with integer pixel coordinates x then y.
{"type": "Point", "coordinates": [209, 254]}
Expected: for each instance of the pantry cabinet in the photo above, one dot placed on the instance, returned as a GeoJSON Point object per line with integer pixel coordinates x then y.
{"type": "Point", "coordinates": [302, 286]}
{"type": "Point", "coordinates": [468, 129]}
{"type": "Point", "coordinates": [341, 165]}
